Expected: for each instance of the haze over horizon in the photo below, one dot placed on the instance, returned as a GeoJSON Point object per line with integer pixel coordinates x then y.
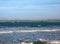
{"type": "Point", "coordinates": [29, 9]}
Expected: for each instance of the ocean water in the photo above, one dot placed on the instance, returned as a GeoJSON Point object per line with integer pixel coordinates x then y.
{"type": "Point", "coordinates": [10, 38]}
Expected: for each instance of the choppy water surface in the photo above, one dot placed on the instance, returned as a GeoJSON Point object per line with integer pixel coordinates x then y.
{"type": "Point", "coordinates": [9, 38]}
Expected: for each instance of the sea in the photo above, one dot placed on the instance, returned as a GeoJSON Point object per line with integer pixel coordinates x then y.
{"type": "Point", "coordinates": [14, 38]}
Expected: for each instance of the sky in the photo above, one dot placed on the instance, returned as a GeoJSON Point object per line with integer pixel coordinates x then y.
{"type": "Point", "coordinates": [29, 9]}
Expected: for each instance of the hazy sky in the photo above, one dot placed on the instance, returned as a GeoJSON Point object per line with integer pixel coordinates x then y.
{"type": "Point", "coordinates": [30, 9]}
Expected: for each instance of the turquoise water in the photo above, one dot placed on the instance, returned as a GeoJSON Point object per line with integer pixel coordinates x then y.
{"type": "Point", "coordinates": [29, 24]}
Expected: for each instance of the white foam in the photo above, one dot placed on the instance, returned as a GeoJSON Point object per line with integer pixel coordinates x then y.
{"type": "Point", "coordinates": [18, 31]}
